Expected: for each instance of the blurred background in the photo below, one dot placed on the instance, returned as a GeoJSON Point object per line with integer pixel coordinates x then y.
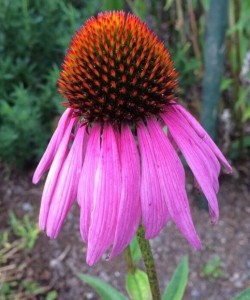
{"type": "Point", "coordinates": [209, 41]}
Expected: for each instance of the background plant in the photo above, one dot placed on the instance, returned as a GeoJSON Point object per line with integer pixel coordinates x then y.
{"type": "Point", "coordinates": [137, 284]}
{"type": "Point", "coordinates": [33, 39]}
{"type": "Point", "coordinates": [16, 242]}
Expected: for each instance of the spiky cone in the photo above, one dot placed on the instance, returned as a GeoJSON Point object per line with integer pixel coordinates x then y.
{"type": "Point", "coordinates": [110, 151]}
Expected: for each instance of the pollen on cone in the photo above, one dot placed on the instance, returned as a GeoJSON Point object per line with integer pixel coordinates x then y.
{"type": "Point", "coordinates": [110, 151]}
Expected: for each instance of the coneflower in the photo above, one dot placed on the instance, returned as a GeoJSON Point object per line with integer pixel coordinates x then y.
{"type": "Point", "coordinates": [109, 150]}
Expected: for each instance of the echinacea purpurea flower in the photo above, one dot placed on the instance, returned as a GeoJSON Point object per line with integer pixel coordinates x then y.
{"type": "Point", "coordinates": [109, 150]}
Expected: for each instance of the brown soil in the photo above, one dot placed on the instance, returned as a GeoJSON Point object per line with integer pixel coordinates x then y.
{"type": "Point", "coordinates": [55, 263]}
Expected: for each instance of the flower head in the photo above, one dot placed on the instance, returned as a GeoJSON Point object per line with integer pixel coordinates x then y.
{"type": "Point", "coordinates": [109, 150]}
{"type": "Point", "coordinates": [116, 71]}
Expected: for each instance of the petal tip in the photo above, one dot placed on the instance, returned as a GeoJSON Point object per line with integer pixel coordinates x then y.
{"type": "Point", "coordinates": [91, 260]}
{"type": "Point", "coordinates": [214, 221]}
{"type": "Point", "coordinates": [35, 179]}
{"type": "Point", "coordinates": [229, 170]}
{"type": "Point", "coordinates": [198, 246]}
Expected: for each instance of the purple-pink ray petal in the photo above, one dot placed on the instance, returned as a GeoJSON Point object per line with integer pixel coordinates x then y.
{"type": "Point", "coordinates": [199, 157]}
{"type": "Point", "coordinates": [52, 177]}
{"type": "Point", "coordinates": [66, 188]}
{"type": "Point", "coordinates": [172, 181]}
{"type": "Point", "coordinates": [172, 141]}
{"type": "Point", "coordinates": [154, 209]}
{"type": "Point", "coordinates": [87, 179]}
{"type": "Point", "coordinates": [107, 194]}
{"type": "Point", "coordinates": [52, 147]}
{"type": "Point", "coordinates": [180, 110]}
{"type": "Point", "coordinates": [129, 211]}
{"type": "Point", "coordinates": [207, 159]}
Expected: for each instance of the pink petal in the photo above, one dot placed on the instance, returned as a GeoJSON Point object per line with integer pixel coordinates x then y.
{"type": "Point", "coordinates": [199, 157]}
{"type": "Point", "coordinates": [52, 147]}
{"type": "Point", "coordinates": [180, 110]}
{"type": "Point", "coordinates": [66, 188]}
{"type": "Point", "coordinates": [52, 177]}
{"type": "Point", "coordinates": [107, 194]}
{"type": "Point", "coordinates": [129, 212]}
{"type": "Point", "coordinates": [205, 155]}
{"type": "Point", "coordinates": [172, 141]}
{"type": "Point", "coordinates": [87, 179]}
{"type": "Point", "coordinates": [154, 209]}
{"type": "Point", "coordinates": [172, 181]}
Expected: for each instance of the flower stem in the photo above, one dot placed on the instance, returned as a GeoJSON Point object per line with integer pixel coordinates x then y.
{"type": "Point", "coordinates": [149, 263]}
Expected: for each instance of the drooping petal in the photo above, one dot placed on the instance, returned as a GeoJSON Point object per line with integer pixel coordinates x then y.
{"type": "Point", "coordinates": [208, 160]}
{"type": "Point", "coordinates": [66, 188]}
{"type": "Point", "coordinates": [154, 209]}
{"type": "Point", "coordinates": [180, 110]}
{"type": "Point", "coordinates": [85, 192]}
{"type": "Point", "coordinates": [52, 177]}
{"type": "Point", "coordinates": [172, 181]}
{"type": "Point", "coordinates": [52, 147]}
{"type": "Point", "coordinates": [199, 157]}
{"type": "Point", "coordinates": [107, 194]}
{"type": "Point", "coordinates": [129, 212]}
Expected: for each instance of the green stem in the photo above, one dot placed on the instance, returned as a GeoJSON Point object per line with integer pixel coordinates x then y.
{"type": "Point", "coordinates": [149, 263]}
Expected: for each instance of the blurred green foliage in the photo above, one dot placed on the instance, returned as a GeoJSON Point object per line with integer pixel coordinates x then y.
{"type": "Point", "coordinates": [34, 36]}
{"type": "Point", "coordinates": [213, 268]}
{"type": "Point", "coordinates": [16, 243]}
{"type": "Point", "coordinates": [238, 74]}
{"type": "Point", "coordinates": [24, 229]}
{"type": "Point", "coordinates": [27, 289]}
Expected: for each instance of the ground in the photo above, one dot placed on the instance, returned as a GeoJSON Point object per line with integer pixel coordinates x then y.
{"type": "Point", "coordinates": [218, 272]}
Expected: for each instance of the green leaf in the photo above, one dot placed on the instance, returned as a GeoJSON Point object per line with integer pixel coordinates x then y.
{"type": "Point", "coordinates": [246, 114]}
{"type": "Point", "coordinates": [168, 4]}
{"type": "Point", "coordinates": [5, 289]}
{"type": "Point", "coordinates": [245, 295]}
{"type": "Point", "coordinates": [177, 285]}
{"type": "Point", "coordinates": [25, 229]}
{"type": "Point", "coordinates": [137, 285]}
{"type": "Point", "coordinates": [32, 287]}
{"type": "Point", "coordinates": [52, 295]}
{"type": "Point", "coordinates": [225, 84]}
{"type": "Point", "coordinates": [104, 290]}
{"type": "Point", "coordinates": [135, 250]}
{"type": "Point", "coordinates": [112, 5]}
{"type": "Point", "coordinates": [138, 8]}
{"type": "Point", "coordinates": [141, 8]}
{"type": "Point", "coordinates": [213, 268]}
{"type": "Point", "coordinates": [235, 152]}
{"type": "Point", "coordinates": [205, 4]}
